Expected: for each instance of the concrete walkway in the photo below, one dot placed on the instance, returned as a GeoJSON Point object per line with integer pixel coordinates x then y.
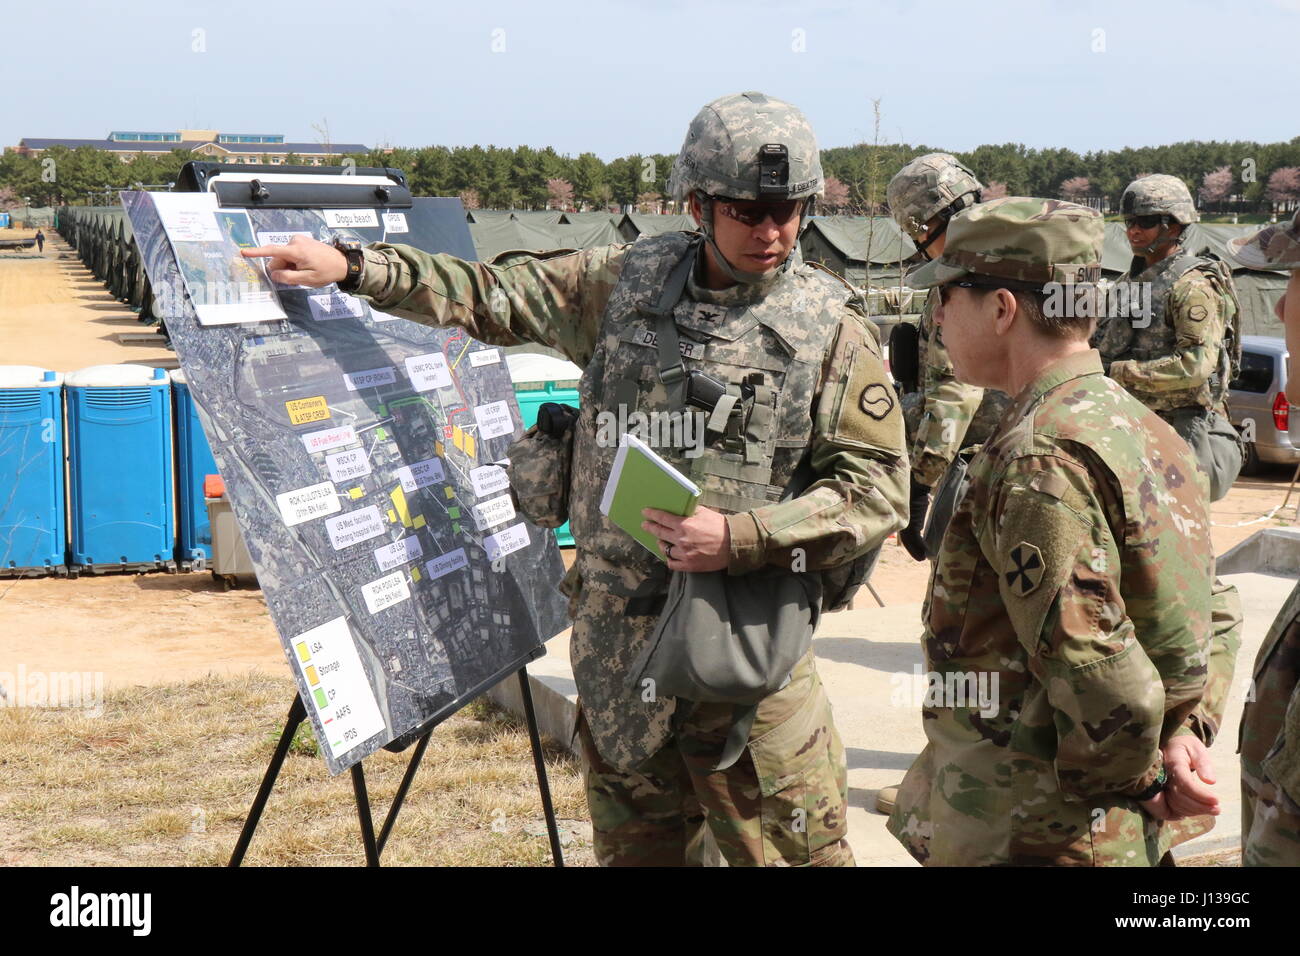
{"type": "Point", "coordinates": [866, 657]}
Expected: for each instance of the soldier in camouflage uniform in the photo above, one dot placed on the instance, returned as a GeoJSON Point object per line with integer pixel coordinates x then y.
{"type": "Point", "coordinates": [1073, 581]}
{"type": "Point", "coordinates": [1177, 360]}
{"type": "Point", "coordinates": [802, 369]}
{"type": "Point", "coordinates": [947, 416]}
{"type": "Point", "coordinates": [1270, 726]}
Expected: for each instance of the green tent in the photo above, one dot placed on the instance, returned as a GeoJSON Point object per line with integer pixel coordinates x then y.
{"type": "Point", "coordinates": [865, 250]}
{"type": "Point", "coordinates": [577, 218]}
{"type": "Point", "coordinates": [636, 224]}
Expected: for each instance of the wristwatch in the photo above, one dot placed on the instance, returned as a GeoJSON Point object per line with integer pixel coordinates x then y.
{"type": "Point", "coordinates": [351, 249]}
{"type": "Point", "coordinates": [1157, 787]}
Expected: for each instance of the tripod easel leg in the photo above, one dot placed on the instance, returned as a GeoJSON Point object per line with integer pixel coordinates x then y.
{"type": "Point", "coordinates": [539, 763]}
{"type": "Point", "coordinates": [407, 777]}
{"type": "Point", "coordinates": [297, 714]}
{"type": "Point", "coordinates": [363, 813]}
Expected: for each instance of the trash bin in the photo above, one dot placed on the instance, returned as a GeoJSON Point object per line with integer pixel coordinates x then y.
{"type": "Point", "coordinates": [33, 526]}
{"type": "Point", "coordinates": [120, 475]}
{"type": "Point", "coordinates": [194, 462]}
{"type": "Point", "coordinates": [230, 557]}
{"type": "Point", "coordinates": [539, 379]}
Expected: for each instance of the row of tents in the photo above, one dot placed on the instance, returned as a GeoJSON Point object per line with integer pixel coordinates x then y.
{"type": "Point", "coordinates": [870, 252]}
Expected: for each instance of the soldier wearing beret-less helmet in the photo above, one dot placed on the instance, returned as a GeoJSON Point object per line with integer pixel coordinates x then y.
{"type": "Point", "coordinates": [791, 370]}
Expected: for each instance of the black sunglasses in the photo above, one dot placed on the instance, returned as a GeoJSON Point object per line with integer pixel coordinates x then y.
{"type": "Point", "coordinates": [751, 212]}
{"type": "Point", "coordinates": [964, 284]}
{"type": "Point", "coordinates": [1143, 222]}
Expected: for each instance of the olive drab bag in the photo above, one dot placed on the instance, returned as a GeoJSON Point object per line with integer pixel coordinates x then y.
{"type": "Point", "coordinates": [540, 466]}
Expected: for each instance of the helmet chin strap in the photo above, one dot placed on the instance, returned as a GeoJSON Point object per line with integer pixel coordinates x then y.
{"type": "Point", "coordinates": [738, 275]}
{"type": "Point", "coordinates": [1161, 238]}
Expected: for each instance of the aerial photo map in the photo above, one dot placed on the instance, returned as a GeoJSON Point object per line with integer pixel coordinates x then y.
{"type": "Point", "coordinates": [362, 457]}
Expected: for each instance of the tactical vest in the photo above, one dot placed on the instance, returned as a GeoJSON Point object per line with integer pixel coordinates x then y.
{"type": "Point", "coordinates": [1120, 339]}
{"type": "Point", "coordinates": [768, 349]}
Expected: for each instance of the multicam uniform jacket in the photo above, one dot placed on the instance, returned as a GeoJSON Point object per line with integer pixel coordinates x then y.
{"type": "Point", "coordinates": [1270, 747]}
{"type": "Point", "coordinates": [953, 415]}
{"type": "Point", "coordinates": [1076, 572]}
{"type": "Point", "coordinates": [802, 361]}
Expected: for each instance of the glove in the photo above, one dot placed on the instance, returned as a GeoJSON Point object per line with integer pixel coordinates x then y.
{"type": "Point", "coordinates": [910, 537]}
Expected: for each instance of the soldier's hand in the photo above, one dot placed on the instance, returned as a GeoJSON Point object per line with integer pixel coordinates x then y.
{"type": "Point", "coordinates": [1187, 794]}
{"type": "Point", "coordinates": [302, 261]}
{"type": "Point", "coordinates": [701, 542]}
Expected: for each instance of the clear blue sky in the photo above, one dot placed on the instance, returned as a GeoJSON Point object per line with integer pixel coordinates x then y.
{"type": "Point", "coordinates": [625, 76]}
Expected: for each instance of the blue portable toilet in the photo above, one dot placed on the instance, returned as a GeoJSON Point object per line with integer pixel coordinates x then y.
{"type": "Point", "coordinates": [194, 462]}
{"type": "Point", "coordinates": [539, 378]}
{"type": "Point", "coordinates": [120, 476]}
{"type": "Point", "coordinates": [33, 527]}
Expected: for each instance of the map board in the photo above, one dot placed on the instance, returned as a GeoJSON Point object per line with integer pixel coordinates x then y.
{"type": "Point", "coordinates": [360, 454]}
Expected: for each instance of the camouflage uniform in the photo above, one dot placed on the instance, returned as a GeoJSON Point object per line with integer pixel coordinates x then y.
{"type": "Point", "coordinates": [1270, 725]}
{"type": "Point", "coordinates": [813, 376]}
{"type": "Point", "coordinates": [1076, 571]}
{"type": "Point", "coordinates": [952, 416]}
{"type": "Point", "coordinates": [1179, 362]}
{"type": "Point", "coordinates": [1178, 365]}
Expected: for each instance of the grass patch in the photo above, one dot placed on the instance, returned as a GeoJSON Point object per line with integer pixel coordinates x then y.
{"type": "Point", "coordinates": [165, 777]}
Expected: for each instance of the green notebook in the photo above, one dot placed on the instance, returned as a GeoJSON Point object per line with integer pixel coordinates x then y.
{"type": "Point", "coordinates": [641, 479]}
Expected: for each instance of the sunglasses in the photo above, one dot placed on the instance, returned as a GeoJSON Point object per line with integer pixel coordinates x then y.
{"type": "Point", "coordinates": [1143, 222]}
{"type": "Point", "coordinates": [964, 284]}
{"type": "Point", "coordinates": [752, 212]}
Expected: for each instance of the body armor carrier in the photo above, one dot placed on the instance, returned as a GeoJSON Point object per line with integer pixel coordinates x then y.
{"type": "Point", "coordinates": [755, 357]}
{"type": "Point", "coordinates": [1121, 338]}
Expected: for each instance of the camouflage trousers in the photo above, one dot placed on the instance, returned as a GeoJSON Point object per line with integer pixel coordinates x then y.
{"type": "Point", "coordinates": [783, 803]}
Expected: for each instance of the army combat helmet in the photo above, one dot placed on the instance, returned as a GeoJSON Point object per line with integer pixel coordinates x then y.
{"type": "Point", "coordinates": [936, 184]}
{"type": "Point", "coordinates": [1159, 195]}
{"type": "Point", "coordinates": [1019, 242]}
{"type": "Point", "coordinates": [747, 146]}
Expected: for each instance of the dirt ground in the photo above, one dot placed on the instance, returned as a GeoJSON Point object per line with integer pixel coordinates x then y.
{"type": "Point", "coordinates": [55, 314]}
{"type": "Point", "coordinates": [147, 629]}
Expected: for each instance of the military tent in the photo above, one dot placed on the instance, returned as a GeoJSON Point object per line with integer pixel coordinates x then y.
{"type": "Point", "coordinates": [861, 249]}
{"type": "Point", "coordinates": [636, 224]}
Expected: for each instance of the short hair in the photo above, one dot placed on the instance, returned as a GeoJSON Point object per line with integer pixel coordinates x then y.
{"type": "Point", "coordinates": [1075, 322]}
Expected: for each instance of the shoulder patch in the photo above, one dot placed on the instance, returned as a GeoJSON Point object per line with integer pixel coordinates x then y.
{"type": "Point", "coordinates": [866, 412]}
{"type": "Point", "coordinates": [876, 401]}
{"type": "Point", "coordinates": [1024, 569]}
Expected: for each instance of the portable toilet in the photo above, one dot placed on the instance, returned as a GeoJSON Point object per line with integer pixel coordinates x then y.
{"type": "Point", "coordinates": [120, 476]}
{"type": "Point", "coordinates": [33, 527]}
{"type": "Point", "coordinates": [194, 462]}
{"type": "Point", "coordinates": [539, 378]}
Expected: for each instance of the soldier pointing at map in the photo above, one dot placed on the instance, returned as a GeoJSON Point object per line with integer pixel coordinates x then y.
{"type": "Point", "coordinates": [794, 371]}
